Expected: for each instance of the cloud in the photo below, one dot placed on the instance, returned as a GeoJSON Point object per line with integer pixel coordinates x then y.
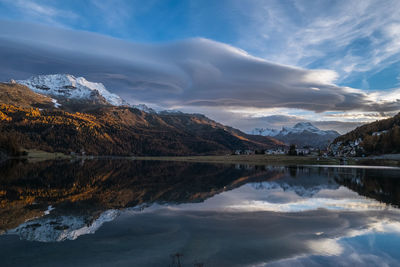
{"type": "Point", "coordinates": [193, 74]}
{"type": "Point", "coordinates": [190, 72]}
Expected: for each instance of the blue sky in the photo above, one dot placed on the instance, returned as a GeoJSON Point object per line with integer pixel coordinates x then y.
{"type": "Point", "coordinates": [139, 21]}
{"type": "Point", "coordinates": [352, 45]}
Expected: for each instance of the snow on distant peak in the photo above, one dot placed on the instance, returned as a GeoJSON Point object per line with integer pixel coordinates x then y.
{"type": "Point", "coordinates": [66, 85]}
{"type": "Point", "coordinates": [299, 128]}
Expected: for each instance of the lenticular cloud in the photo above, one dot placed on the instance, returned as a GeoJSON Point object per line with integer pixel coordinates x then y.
{"type": "Point", "coordinates": [193, 72]}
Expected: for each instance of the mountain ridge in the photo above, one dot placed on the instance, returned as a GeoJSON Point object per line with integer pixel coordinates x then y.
{"type": "Point", "coordinates": [302, 134]}
{"type": "Point", "coordinates": [104, 129]}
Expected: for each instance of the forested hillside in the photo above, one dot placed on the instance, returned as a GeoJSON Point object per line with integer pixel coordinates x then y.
{"type": "Point", "coordinates": [34, 122]}
{"type": "Point", "coordinates": [380, 137]}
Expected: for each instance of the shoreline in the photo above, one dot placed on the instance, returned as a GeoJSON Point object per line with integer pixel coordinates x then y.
{"type": "Point", "coordinates": [383, 160]}
{"type": "Point", "coordinates": [278, 160]}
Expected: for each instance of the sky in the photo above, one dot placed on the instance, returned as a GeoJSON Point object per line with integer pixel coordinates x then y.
{"type": "Point", "coordinates": [243, 63]}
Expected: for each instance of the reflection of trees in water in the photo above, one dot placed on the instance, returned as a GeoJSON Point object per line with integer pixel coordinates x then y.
{"type": "Point", "coordinates": [96, 185]}
{"type": "Point", "coordinates": [93, 186]}
{"type": "Point", "coordinates": [382, 185]}
{"type": "Point", "coordinates": [176, 259]}
{"type": "Point", "coordinates": [293, 171]}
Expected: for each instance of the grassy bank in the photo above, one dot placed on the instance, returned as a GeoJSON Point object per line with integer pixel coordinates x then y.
{"type": "Point", "coordinates": [38, 155]}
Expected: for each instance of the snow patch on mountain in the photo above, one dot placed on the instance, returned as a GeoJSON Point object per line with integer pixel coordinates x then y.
{"type": "Point", "coordinates": [68, 86]}
{"type": "Point", "coordinates": [55, 102]}
{"type": "Point", "coordinates": [144, 108]}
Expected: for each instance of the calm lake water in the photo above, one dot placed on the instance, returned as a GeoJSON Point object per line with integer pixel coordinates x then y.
{"type": "Point", "coordinates": [144, 213]}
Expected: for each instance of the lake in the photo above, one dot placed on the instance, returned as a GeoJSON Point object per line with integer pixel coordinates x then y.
{"type": "Point", "coordinates": [147, 213]}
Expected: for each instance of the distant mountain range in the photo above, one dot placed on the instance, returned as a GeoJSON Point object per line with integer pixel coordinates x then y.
{"type": "Point", "coordinates": [72, 115]}
{"type": "Point", "coordinates": [302, 134]}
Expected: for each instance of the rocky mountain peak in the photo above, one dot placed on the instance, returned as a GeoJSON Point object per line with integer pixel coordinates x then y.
{"type": "Point", "coordinates": [70, 87]}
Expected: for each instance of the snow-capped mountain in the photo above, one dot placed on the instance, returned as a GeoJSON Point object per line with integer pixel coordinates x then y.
{"type": "Point", "coordinates": [305, 127]}
{"type": "Point", "coordinates": [71, 87]}
{"type": "Point", "coordinates": [66, 86]}
{"type": "Point", "coordinates": [302, 134]}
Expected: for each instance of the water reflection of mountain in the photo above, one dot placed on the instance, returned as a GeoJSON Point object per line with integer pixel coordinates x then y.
{"type": "Point", "coordinates": [304, 181]}
{"type": "Point", "coordinates": [86, 189]}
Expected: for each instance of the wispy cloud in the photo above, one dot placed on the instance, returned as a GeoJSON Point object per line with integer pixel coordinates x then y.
{"type": "Point", "coordinates": [40, 12]}
{"type": "Point", "coordinates": [345, 36]}
{"type": "Point", "coordinates": [34, 8]}
{"type": "Point", "coordinates": [37, 9]}
{"type": "Point", "coordinates": [114, 13]}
